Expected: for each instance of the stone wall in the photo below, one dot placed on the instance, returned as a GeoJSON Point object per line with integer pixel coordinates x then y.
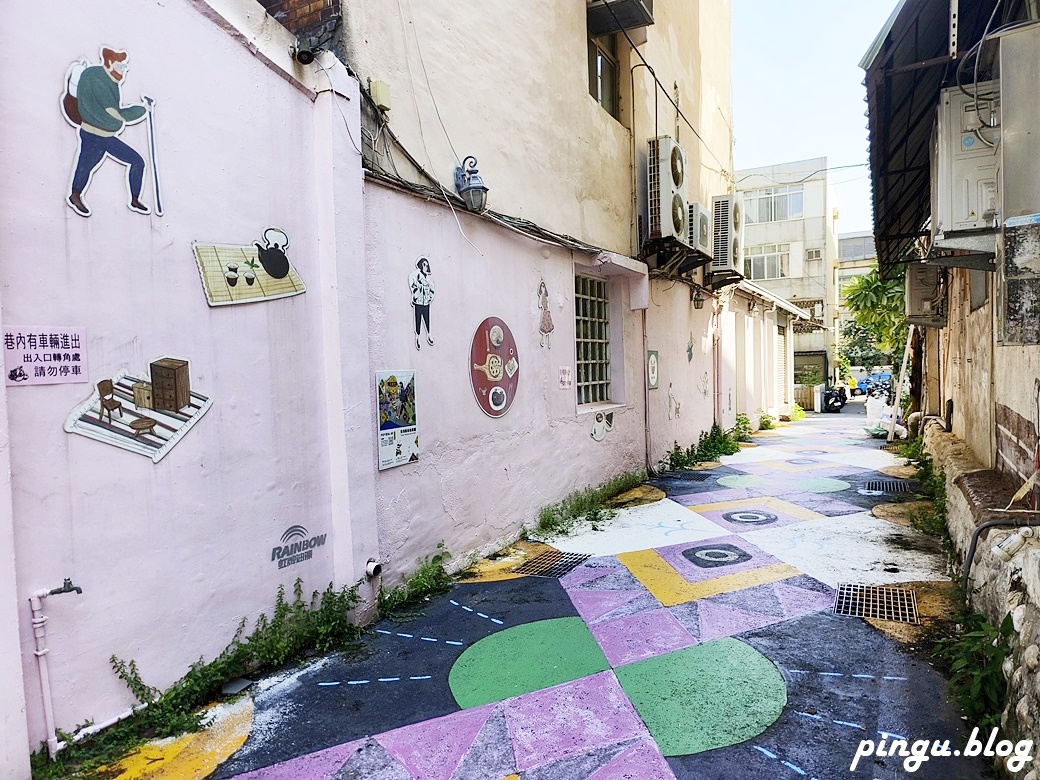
{"type": "Point", "coordinates": [975, 496]}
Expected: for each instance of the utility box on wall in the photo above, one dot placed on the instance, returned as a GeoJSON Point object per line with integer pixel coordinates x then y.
{"type": "Point", "coordinates": [964, 174]}
{"type": "Point", "coordinates": [925, 296]}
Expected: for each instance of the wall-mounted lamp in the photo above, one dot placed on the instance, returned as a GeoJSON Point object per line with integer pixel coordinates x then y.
{"type": "Point", "coordinates": [303, 51]}
{"type": "Point", "coordinates": [470, 186]}
{"type": "Point", "coordinates": [697, 297]}
{"type": "Point", "coordinates": [752, 306]}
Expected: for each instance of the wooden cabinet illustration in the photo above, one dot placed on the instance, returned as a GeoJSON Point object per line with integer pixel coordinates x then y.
{"type": "Point", "coordinates": [171, 388]}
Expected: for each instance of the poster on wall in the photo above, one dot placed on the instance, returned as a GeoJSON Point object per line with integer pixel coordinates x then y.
{"type": "Point", "coordinates": [44, 355]}
{"type": "Point", "coordinates": [398, 430]}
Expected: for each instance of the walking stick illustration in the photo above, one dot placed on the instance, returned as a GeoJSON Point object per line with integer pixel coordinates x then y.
{"type": "Point", "coordinates": [152, 153]}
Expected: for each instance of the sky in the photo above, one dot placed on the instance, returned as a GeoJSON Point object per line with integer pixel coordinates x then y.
{"type": "Point", "coordinates": [798, 90]}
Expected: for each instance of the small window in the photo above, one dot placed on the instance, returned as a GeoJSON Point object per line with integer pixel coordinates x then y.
{"type": "Point", "coordinates": [603, 72]}
{"type": "Point", "coordinates": [813, 254]}
{"type": "Point", "coordinates": [592, 339]}
{"type": "Point", "coordinates": [768, 261]}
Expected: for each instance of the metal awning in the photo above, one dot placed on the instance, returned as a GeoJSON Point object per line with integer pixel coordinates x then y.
{"type": "Point", "coordinates": [907, 66]}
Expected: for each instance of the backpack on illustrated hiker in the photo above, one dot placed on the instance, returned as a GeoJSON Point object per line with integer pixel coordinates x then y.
{"type": "Point", "coordinates": [69, 100]}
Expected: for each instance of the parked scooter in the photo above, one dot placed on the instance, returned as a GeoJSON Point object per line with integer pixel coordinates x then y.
{"type": "Point", "coordinates": [834, 400]}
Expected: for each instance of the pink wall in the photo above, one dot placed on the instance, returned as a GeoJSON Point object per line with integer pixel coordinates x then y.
{"type": "Point", "coordinates": [480, 479]}
{"type": "Point", "coordinates": [171, 555]}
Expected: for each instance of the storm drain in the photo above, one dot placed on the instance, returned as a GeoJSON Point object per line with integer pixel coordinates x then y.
{"type": "Point", "coordinates": [889, 486]}
{"type": "Point", "coordinates": [696, 477]}
{"type": "Point", "coordinates": [873, 601]}
{"type": "Point", "coordinates": [551, 564]}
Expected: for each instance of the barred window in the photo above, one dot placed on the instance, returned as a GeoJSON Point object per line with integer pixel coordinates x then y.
{"type": "Point", "coordinates": [592, 338]}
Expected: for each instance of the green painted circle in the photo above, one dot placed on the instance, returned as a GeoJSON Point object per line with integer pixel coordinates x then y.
{"type": "Point", "coordinates": [524, 659]}
{"type": "Point", "coordinates": [743, 481]}
{"type": "Point", "coordinates": [709, 696]}
{"type": "Point", "coordinates": [821, 484]}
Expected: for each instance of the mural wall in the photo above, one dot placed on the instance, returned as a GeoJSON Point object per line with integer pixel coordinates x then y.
{"type": "Point", "coordinates": [228, 404]}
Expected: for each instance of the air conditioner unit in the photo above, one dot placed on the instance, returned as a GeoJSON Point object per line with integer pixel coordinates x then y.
{"type": "Point", "coordinates": [966, 163]}
{"type": "Point", "coordinates": [728, 239]}
{"type": "Point", "coordinates": [925, 296]}
{"type": "Point", "coordinates": [666, 191]}
{"type": "Point", "coordinates": [700, 229]}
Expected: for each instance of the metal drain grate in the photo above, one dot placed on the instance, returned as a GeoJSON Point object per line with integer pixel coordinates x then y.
{"type": "Point", "coordinates": [696, 476]}
{"type": "Point", "coordinates": [889, 486]}
{"type": "Point", "coordinates": [874, 601]}
{"type": "Point", "coordinates": [551, 564]}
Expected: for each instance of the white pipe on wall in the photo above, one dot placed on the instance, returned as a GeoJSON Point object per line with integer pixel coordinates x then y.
{"type": "Point", "coordinates": [39, 624]}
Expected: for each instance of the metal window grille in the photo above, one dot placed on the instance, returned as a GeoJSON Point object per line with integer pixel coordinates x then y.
{"type": "Point", "coordinates": [592, 338]}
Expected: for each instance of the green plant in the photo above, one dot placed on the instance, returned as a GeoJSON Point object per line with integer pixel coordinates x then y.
{"type": "Point", "coordinates": [876, 304]}
{"type": "Point", "coordinates": [742, 430]}
{"type": "Point", "coordinates": [766, 421]}
{"type": "Point", "coordinates": [711, 446]}
{"type": "Point", "coordinates": [973, 660]}
{"type": "Point", "coordinates": [585, 506]}
{"type": "Point", "coordinates": [797, 413]}
{"type": "Point", "coordinates": [429, 579]}
{"type": "Point", "coordinates": [810, 374]}
{"type": "Point", "coordinates": [295, 628]}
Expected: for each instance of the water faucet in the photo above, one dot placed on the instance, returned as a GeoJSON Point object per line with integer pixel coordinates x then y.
{"type": "Point", "coordinates": [67, 587]}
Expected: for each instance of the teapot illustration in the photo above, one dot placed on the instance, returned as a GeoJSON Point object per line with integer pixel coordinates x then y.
{"type": "Point", "coordinates": [272, 257]}
{"type": "Point", "coordinates": [492, 367]}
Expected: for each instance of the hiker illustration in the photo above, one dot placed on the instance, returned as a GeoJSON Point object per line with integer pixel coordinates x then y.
{"type": "Point", "coordinates": [421, 284]}
{"type": "Point", "coordinates": [92, 102]}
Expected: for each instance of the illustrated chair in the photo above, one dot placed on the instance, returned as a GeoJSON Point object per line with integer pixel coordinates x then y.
{"type": "Point", "coordinates": [109, 402]}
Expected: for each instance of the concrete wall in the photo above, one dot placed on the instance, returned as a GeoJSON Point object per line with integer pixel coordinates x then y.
{"type": "Point", "coordinates": [447, 64]}
{"type": "Point", "coordinates": [171, 555]}
{"type": "Point", "coordinates": [479, 479]}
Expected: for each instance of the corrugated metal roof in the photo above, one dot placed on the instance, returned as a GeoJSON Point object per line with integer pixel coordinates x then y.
{"type": "Point", "coordinates": [906, 68]}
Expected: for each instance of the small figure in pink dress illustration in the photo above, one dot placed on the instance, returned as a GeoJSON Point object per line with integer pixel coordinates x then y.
{"type": "Point", "coordinates": [545, 323]}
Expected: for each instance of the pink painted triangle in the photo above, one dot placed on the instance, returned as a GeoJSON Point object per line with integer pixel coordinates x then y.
{"type": "Point", "coordinates": [719, 621]}
{"type": "Point", "coordinates": [643, 760]}
{"type": "Point", "coordinates": [799, 601]}
{"type": "Point", "coordinates": [594, 604]}
{"type": "Point", "coordinates": [433, 749]}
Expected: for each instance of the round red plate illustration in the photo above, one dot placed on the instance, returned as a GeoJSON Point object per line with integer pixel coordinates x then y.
{"type": "Point", "coordinates": [494, 367]}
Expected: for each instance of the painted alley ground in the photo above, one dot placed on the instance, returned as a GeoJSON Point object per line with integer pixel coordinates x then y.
{"type": "Point", "coordinates": [698, 640]}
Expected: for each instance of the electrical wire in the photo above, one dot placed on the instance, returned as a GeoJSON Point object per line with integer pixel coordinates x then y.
{"type": "Point", "coordinates": [806, 178]}
{"type": "Point", "coordinates": [662, 88]}
{"type": "Point", "coordinates": [429, 88]}
{"type": "Point", "coordinates": [346, 124]}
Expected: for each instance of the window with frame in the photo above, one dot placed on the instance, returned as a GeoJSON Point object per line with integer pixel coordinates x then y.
{"type": "Point", "coordinates": [773, 204]}
{"type": "Point", "coordinates": [814, 254]}
{"type": "Point", "coordinates": [592, 339]}
{"type": "Point", "coordinates": [767, 261]}
{"type": "Point", "coordinates": [603, 72]}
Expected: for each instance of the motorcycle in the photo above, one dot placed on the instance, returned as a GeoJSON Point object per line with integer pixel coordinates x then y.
{"type": "Point", "coordinates": [834, 400]}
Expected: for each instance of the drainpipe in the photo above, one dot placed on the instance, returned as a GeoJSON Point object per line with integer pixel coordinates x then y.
{"type": "Point", "coordinates": [1026, 523]}
{"type": "Point", "coordinates": [716, 317]}
{"type": "Point", "coordinates": [650, 470]}
{"type": "Point", "coordinates": [39, 624]}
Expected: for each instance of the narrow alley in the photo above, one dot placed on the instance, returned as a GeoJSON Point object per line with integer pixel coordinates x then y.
{"type": "Point", "coordinates": [696, 638]}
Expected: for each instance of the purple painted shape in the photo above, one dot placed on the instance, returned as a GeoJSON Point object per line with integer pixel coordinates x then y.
{"type": "Point", "coordinates": [433, 749]}
{"type": "Point", "coordinates": [322, 765]}
{"type": "Point", "coordinates": [643, 761]}
{"type": "Point", "coordinates": [643, 635]}
{"type": "Point", "coordinates": [718, 621]}
{"type": "Point", "coordinates": [691, 573]}
{"type": "Point", "coordinates": [712, 496]}
{"type": "Point", "coordinates": [798, 602]}
{"type": "Point", "coordinates": [753, 505]}
{"type": "Point", "coordinates": [594, 604]}
{"type": "Point", "coordinates": [590, 570]}
{"type": "Point", "coordinates": [570, 719]}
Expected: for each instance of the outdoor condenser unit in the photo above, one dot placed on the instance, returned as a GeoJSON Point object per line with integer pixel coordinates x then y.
{"type": "Point", "coordinates": [666, 191]}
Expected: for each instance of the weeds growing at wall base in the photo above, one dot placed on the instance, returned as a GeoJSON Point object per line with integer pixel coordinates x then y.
{"type": "Point", "coordinates": [712, 445]}
{"type": "Point", "coordinates": [295, 628]}
{"type": "Point", "coordinates": [587, 506]}
{"type": "Point", "coordinates": [430, 579]}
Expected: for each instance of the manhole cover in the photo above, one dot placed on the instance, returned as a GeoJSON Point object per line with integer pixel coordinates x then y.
{"type": "Point", "coordinates": [889, 486]}
{"type": "Point", "coordinates": [711, 556]}
{"type": "Point", "coordinates": [751, 517]}
{"type": "Point", "coordinates": [873, 601]}
{"type": "Point", "coordinates": [802, 462]}
{"type": "Point", "coordinates": [551, 564]}
{"type": "Point", "coordinates": [812, 452]}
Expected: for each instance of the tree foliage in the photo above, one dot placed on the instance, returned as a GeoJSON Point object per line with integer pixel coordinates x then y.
{"type": "Point", "coordinates": [877, 306]}
{"type": "Point", "coordinates": [859, 348]}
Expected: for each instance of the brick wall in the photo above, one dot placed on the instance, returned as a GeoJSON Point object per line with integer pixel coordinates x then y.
{"type": "Point", "coordinates": [301, 16]}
